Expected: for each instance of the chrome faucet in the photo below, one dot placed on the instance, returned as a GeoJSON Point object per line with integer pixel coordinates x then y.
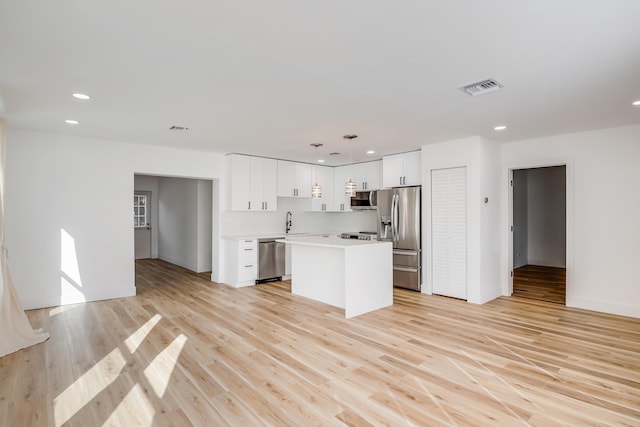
{"type": "Point", "coordinates": [288, 223]}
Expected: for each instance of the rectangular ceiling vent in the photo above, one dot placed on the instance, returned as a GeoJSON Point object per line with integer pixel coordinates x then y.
{"type": "Point", "coordinates": [488, 85]}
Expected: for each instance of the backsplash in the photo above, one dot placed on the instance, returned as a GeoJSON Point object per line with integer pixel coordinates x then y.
{"type": "Point", "coordinates": [303, 221]}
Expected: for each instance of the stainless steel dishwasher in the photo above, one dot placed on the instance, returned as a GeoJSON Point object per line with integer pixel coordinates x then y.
{"type": "Point", "coordinates": [271, 259]}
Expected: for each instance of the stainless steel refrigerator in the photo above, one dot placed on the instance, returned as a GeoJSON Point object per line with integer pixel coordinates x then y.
{"type": "Point", "coordinates": [399, 219]}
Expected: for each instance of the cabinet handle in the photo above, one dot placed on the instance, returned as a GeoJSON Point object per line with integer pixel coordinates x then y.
{"type": "Point", "coordinates": [248, 249]}
{"type": "Point", "coordinates": [247, 266]}
{"type": "Point", "coordinates": [265, 206]}
{"type": "Point", "coordinates": [249, 208]}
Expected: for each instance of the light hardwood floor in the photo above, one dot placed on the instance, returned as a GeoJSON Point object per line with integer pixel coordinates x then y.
{"type": "Point", "coordinates": [190, 352]}
{"type": "Point", "coordinates": [540, 283]}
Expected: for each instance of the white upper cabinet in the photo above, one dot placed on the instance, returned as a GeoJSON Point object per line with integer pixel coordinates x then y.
{"type": "Point", "coordinates": [294, 179]}
{"type": "Point", "coordinates": [400, 170]}
{"type": "Point", "coordinates": [341, 175]}
{"type": "Point", "coordinates": [323, 175]}
{"type": "Point", "coordinates": [366, 175]}
{"type": "Point", "coordinates": [264, 184]}
{"type": "Point", "coordinates": [253, 182]}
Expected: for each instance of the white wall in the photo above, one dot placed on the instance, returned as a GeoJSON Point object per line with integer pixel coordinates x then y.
{"type": "Point", "coordinates": [481, 158]}
{"type": "Point", "coordinates": [520, 220]}
{"type": "Point", "coordinates": [178, 213]}
{"type": "Point", "coordinates": [150, 183]}
{"type": "Point", "coordinates": [603, 202]}
{"type": "Point", "coordinates": [68, 212]}
{"type": "Point", "coordinates": [204, 222]}
{"type": "Point", "coordinates": [546, 219]}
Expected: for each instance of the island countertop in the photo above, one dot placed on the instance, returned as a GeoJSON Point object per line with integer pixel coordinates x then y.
{"type": "Point", "coordinates": [328, 240]}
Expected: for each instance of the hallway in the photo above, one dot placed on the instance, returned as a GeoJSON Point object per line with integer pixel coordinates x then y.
{"type": "Point", "coordinates": [540, 283]}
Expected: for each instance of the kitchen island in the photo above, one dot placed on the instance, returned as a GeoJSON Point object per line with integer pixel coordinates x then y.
{"type": "Point", "coordinates": [356, 275]}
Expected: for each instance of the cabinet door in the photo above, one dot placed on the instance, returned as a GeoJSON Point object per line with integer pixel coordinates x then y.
{"type": "Point", "coordinates": [412, 168]}
{"type": "Point", "coordinates": [356, 173]}
{"type": "Point", "coordinates": [341, 203]}
{"type": "Point", "coordinates": [256, 184]}
{"type": "Point", "coordinates": [323, 175]}
{"type": "Point", "coordinates": [269, 184]}
{"type": "Point", "coordinates": [371, 175]}
{"type": "Point", "coordinates": [247, 260]}
{"type": "Point", "coordinates": [286, 178]}
{"type": "Point", "coordinates": [392, 170]}
{"type": "Point", "coordinates": [303, 180]}
{"type": "Point", "coordinates": [240, 178]}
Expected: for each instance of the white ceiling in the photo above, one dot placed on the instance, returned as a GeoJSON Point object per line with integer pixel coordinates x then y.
{"type": "Point", "coordinates": [270, 78]}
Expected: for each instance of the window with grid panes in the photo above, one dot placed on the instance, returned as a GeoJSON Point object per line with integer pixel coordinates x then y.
{"type": "Point", "coordinates": [139, 210]}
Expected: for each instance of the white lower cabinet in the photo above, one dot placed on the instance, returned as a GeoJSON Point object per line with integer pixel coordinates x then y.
{"type": "Point", "coordinates": [241, 262]}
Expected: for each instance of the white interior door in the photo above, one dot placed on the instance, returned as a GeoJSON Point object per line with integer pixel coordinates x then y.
{"type": "Point", "coordinates": [142, 224]}
{"type": "Point", "coordinates": [449, 231]}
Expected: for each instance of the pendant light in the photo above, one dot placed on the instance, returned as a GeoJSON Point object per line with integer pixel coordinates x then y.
{"type": "Point", "coordinates": [316, 190]}
{"type": "Point", "coordinates": [350, 186]}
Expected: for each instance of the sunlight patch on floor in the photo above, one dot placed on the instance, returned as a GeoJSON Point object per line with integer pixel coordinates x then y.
{"type": "Point", "coordinates": [133, 410]}
{"type": "Point", "coordinates": [135, 339]}
{"type": "Point", "coordinates": [158, 373]}
{"type": "Point", "coordinates": [88, 386]}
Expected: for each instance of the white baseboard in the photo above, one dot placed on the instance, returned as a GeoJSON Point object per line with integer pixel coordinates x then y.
{"type": "Point", "coordinates": [605, 307]}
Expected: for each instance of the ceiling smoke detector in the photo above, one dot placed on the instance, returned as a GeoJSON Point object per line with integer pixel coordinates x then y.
{"type": "Point", "coordinates": [479, 88]}
{"type": "Point", "coordinates": [178, 128]}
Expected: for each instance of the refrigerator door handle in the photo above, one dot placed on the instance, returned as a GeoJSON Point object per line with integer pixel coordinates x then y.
{"type": "Point", "coordinates": [394, 218]}
{"type": "Point", "coordinates": [393, 229]}
{"type": "Point", "coordinates": [407, 269]}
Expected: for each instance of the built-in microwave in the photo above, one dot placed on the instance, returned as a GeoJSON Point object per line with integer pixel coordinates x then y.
{"type": "Point", "coordinates": [364, 200]}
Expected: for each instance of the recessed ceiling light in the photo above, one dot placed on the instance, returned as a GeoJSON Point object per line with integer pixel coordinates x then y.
{"type": "Point", "coordinates": [81, 96]}
{"type": "Point", "coordinates": [499, 128]}
{"type": "Point", "coordinates": [636, 103]}
{"type": "Point", "coordinates": [71, 122]}
{"type": "Point", "coordinates": [371, 152]}
{"type": "Point", "coordinates": [320, 160]}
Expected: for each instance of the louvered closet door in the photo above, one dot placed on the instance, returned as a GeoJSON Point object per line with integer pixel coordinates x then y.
{"type": "Point", "coordinates": [449, 232]}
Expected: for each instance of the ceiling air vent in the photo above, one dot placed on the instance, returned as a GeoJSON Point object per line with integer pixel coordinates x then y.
{"type": "Point", "coordinates": [478, 88]}
{"type": "Point", "coordinates": [178, 128]}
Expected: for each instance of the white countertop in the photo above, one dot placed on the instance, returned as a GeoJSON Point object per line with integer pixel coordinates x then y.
{"type": "Point", "coordinates": [277, 235]}
{"type": "Point", "coordinates": [329, 240]}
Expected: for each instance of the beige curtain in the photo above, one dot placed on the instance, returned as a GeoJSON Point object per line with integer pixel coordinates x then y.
{"type": "Point", "coordinates": [15, 330]}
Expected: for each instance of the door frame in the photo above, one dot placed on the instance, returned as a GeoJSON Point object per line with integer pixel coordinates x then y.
{"type": "Point", "coordinates": [507, 221]}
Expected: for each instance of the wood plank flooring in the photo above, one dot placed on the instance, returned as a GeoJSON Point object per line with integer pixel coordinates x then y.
{"type": "Point", "coordinates": [186, 351]}
{"type": "Point", "coordinates": [540, 283]}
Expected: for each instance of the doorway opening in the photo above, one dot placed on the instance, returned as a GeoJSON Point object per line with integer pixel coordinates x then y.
{"type": "Point", "coordinates": [539, 233]}
{"type": "Point", "coordinates": [142, 224]}
{"type": "Point", "coordinates": [175, 221]}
